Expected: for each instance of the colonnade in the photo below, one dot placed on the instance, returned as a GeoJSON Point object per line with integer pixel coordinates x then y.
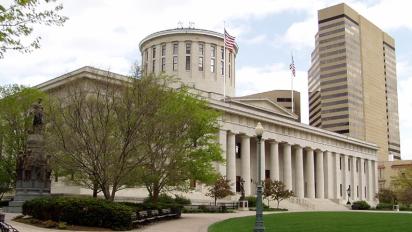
{"type": "Point", "coordinates": [309, 171]}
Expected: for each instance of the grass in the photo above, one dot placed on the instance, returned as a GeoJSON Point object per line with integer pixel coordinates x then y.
{"type": "Point", "coordinates": [321, 222]}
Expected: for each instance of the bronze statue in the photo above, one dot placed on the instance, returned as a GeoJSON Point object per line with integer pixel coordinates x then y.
{"type": "Point", "coordinates": [37, 113]}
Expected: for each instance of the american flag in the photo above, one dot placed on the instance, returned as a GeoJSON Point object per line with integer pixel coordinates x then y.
{"type": "Point", "coordinates": [292, 68]}
{"type": "Point", "coordinates": [229, 41]}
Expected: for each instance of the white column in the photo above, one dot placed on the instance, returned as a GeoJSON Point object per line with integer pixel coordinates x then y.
{"type": "Point", "coordinates": [328, 175]}
{"type": "Point", "coordinates": [245, 163]}
{"type": "Point", "coordinates": [375, 177]}
{"type": "Point", "coordinates": [320, 190]}
{"type": "Point", "coordinates": [310, 173]}
{"type": "Point", "coordinates": [345, 179]}
{"type": "Point", "coordinates": [299, 172]}
{"type": "Point", "coordinates": [223, 145]}
{"type": "Point", "coordinates": [287, 165]}
{"type": "Point", "coordinates": [353, 175]}
{"type": "Point", "coordinates": [337, 175]}
{"type": "Point", "coordinates": [274, 160]}
{"type": "Point", "coordinates": [231, 160]}
{"type": "Point", "coordinates": [361, 180]}
{"type": "Point", "coordinates": [262, 160]}
{"type": "Point", "coordinates": [370, 181]}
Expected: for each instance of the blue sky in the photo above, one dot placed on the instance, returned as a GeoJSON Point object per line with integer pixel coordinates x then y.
{"type": "Point", "coordinates": [106, 34]}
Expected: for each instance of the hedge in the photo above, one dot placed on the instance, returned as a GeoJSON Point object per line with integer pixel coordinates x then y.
{"type": "Point", "coordinates": [360, 205]}
{"type": "Point", "coordinates": [84, 211]}
{"type": "Point", "coordinates": [384, 206]}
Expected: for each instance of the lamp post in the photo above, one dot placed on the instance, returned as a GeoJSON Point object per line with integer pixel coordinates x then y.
{"type": "Point", "coordinates": [348, 192]}
{"type": "Point", "coordinates": [259, 227]}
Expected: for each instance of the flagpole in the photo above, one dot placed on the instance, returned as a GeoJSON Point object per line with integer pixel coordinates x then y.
{"type": "Point", "coordinates": [291, 92]}
{"type": "Point", "coordinates": [224, 61]}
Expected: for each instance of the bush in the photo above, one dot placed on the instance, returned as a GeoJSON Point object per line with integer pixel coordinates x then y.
{"type": "Point", "coordinates": [4, 203]}
{"type": "Point", "coordinates": [84, 211]}
{"type": "Point", "coordinates": [384, 206]}
{"type": "Point", "coordinates": [181, 200]}
{"type": "Point", "coordinates": [360, 205]}
{"type": "Point", "coordinates": [251, 200]}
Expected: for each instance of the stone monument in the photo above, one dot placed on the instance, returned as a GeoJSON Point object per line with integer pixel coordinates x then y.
{"type": "Point", "coordinates": [243, 203]}
{"type": "Point", "coordinates": [32, 165]}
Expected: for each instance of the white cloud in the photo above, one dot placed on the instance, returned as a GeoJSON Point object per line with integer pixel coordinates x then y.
{"type": "Point", "coordinates": [252, 80]}
{"type": "Point", "coordinates": [405, 107]}
{"type": "Point", "coordinates": [258, 39]}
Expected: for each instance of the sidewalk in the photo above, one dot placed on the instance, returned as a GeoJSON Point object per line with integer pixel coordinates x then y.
{"type": "Point", "coordinates": [187, 223]}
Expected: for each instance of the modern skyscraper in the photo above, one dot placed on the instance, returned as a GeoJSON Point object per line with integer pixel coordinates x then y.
{"type": "Point", "coordinates": [352, 80]}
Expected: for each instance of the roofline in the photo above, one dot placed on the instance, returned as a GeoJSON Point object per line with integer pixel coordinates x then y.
{"type": "Point", "coordinates": [86, 69]}
{"type": "Point", "coordinates": [182, 31]}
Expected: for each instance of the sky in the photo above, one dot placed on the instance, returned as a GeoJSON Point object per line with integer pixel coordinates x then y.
{"type": "Point", "coordinates": [106, 34]}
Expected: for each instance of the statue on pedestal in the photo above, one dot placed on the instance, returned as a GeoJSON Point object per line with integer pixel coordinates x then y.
{"type": "Point", "coordinates": [32, 166]}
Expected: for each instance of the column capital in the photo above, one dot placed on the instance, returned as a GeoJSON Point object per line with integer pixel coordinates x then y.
{"type": "Point", "coordinates": [244, 136]}
{"type": "Point", "coordinates": [272, 141]}
{"type": "Point", "coordinates": [308, 148]}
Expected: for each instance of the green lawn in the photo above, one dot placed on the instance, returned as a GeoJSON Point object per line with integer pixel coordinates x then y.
{"type": "Point", "coordinates": [321, 222]}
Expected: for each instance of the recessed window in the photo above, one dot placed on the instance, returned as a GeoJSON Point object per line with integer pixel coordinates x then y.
{"type": "Point", "coordinates": [222, 53]}
{"type": "Point", "coordinates": [154, 52]}
{"type": "Point", "coordinates": [187, 63]}
{"type": "Point", "coordinates": [163, 49]}
{"type": "Point", "coordinates": [174, 63]}
{"type": "Point", "coordinates": [175, 48]}
{"type": "Point", "coordinates": [201, 49]}
{"type": "Point", "coordinates": [163, 64]}
{"type": "Point", "coordinates": [200, 63]}
{"type": "Point", "coordinates": [188, 48]}
{"type": "Point", "coordinates": [153, 65]}
{"type": "Point", "coordinates": [213, 58]}
{"type": "Point", "coordinates": [222, 67]}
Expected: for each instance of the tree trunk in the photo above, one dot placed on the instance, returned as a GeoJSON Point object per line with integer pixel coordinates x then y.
{"type": "Point", "coordinates": [277, 207]}
{"type": "Point", "coordinates": [95, 189]}
{"type": "Point", "coordinates": [106, 192]}
{"type": "Point", "coordinates": [215, 200]}
{"type": "Point", "coordinates": [155, 194]}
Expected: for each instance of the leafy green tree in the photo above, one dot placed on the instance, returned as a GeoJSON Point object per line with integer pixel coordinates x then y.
{"type": "Point", "coordinates": [278, 191]}
{"type": "Point", "coordinates": [15, 103]}
{"type": "Point", "coordinates": [179, 140]}
{"type": "Point", "coordinates": [220, 189]}
{"type": "Point", "coordinates": [268, 190]}
{"type": "Point", "coordinates": [386, 196]}
{"type": "Point", "coordinates": [17, 21]}
{"type": "Point", "coordinates": [402, 185]}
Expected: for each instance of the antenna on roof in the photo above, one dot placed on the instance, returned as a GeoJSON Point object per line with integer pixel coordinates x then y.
{"type": "Point", "coordinates": [191, 25]}
{"type": "Point", "coordinates": [180, 25]}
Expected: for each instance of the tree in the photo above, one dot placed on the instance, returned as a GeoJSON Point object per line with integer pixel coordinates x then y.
{"type": "Point", "coordinates": [278, 191]}
{"type": "Point", "coordinates": [402, 184]}
{"type": "Point", "coordinates": [94, 131]}
{"type": "Point", "coordinates": [220, 189]}
{"type": "Point", "coordinates": [386, 196]}
{"type": "Point", "coordinates": [15, 103]}
{"type": "Point", "coordinates": [17, 21]}
{"type": "Point", "coordinates": [268, 190]}
{"type": "Point", "coordinates": [179, 140]}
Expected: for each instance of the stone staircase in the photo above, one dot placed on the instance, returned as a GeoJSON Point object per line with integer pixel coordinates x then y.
{"type": "Point", "coordinates": [299, 204]}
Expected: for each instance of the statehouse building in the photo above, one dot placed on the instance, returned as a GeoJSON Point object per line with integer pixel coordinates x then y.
{"type": "Point", "coordinates": [313, 162]}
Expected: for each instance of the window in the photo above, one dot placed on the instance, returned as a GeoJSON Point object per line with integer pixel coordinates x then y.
{"type": "Point", "coordinates": [153, 65]}
{"type": "Point", "coordinates": [200, 63]}
{"type": "Point", "coordinates": [348, 165]}
{"type": "Point", "coordinates": [222, 53]}
{"type": "Point", "coordinates": [341, 190]}
{"type": "Point", "coordinates": [357, 166]}
{"type": "Point", "coordinates": [201, 49]}
{"type": "Point", "coordinates": [188, 48]}
{"type": "Point", "coordinates": [175, 48]}
{"type": "Point", "coordinates": [163, 49]}
{"type": "Point", "coordinates": [230, 65]}
{"type": "Point", "coordinates": [357, 190]}
{"type": "Point", "coordinates": [146, 55]}
{"type": "Point", "coordinates": [340, 165]}
{"type": "Point", "coordinates": [213, 58]}
{"type": "Point", "coordinates": [154, 52]}
{"type": "Point", "coordinates": [163, 64]}
{"type": "Point", "coordinates": [364, 166]}
{"type": "Point", "coordinates": [174, 63]}
{"type": "Point", "coordinates": [187, 63]}
{"type": "Point", "coordinates": [222, 67]}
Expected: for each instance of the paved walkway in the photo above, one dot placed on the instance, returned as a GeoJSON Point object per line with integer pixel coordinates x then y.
{"type": "Point", "coordinates": [187, 223]}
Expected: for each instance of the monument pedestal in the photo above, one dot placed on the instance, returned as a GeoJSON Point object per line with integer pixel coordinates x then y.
{"type": "Point", "coordinates": [33, 173]}
{"type": "Point", "coordinates": [244, 205]}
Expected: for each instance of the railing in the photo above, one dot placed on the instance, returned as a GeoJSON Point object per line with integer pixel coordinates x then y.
{"type": "Point", "coordinates": [4, 227]}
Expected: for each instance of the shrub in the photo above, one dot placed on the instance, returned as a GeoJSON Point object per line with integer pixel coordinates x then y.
{"type": "Point", "coordinates": [360, 205]}
{"type": "Point", "coordinates": [251, 200]}
{"type": "Point", "coordinates": [384, 206]}
{"type": "Point", "coordinates": [83, 211]}
{"type": "Point", "coordinates": [181, 200]}
{"type": "Point", "coordinates": [4, 203]}
{"type": "Point", "coordinates": [62, 226]}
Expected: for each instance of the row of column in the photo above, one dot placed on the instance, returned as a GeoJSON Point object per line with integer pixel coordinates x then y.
{"type": "Point", "coordinates": [326, 174]}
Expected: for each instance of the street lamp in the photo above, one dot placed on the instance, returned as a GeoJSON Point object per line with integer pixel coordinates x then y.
{"type": "Point", "coordinates": [348, 192]}
{"type": "Point", "coordinates": [259, 227]}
